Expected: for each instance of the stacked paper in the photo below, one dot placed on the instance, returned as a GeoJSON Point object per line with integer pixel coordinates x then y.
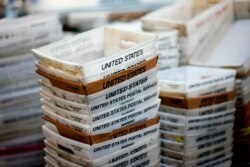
{"type": "Point", "coordinates": [167, 43]}
{"type": "Point", "coordinates": [20, 110]}
{"type": "Point", "coordinates": [20, 35]}
{"type": "Point", "coordinates": [197, 116]}
{"type": "Point", "coordinates": [228, 53]}
{"type": "Point", "coordinates": [196, 21]}
{"type": "Point", "coordinates": [100, 99]}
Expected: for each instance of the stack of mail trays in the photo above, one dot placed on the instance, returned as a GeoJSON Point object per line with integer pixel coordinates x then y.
{"type": "Point", "coordinates": [195, 20]}
{"type": "Point", "coordinates": [21, 137]}
{"type": "Point", "coordinates": [228, 53]}
{"type": "Point", "coordinates": [197, 116]}
{"type": "Point", "coordinates": [100, 100]}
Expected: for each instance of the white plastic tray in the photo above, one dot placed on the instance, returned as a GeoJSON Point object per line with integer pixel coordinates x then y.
{"type": "Point", "coordinates": [217, 108]}
{"type": "Point", "coordinates": [99, 150]}
{"type": "Point", "coordinates": [199, 139]}
{"type": "Point", "coordinates": [94, 52]}
{"type": "Point", "coordinates": [144, 113]}
{"type": "Point", "coordinates": [214, 122]}
{"type": "Point", "coordinates": [197, 155]}
{"type": "Point", "coordinates": [141, 157]}
{"type": "Point", "coordinates": [103, 105]}
{"type": "Point", "coordinates": [111, 158]}
{"type": "Point", "coordinates": [196, 22]}
{"type": "Point", "coordinates": [111, 93]}
{"type": "Point", "coordinates": [196, 80]}
{"type": "Point", "coordinates": [96, 118]}
{"type": "Point", "coordinates": [222, 159]}
{"type": "Point", "coordinates": [224, 54]}
{"type": "Point", "coordinates": [192, 121]}
{"type": "Point", "coordinates": [181, 148]}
